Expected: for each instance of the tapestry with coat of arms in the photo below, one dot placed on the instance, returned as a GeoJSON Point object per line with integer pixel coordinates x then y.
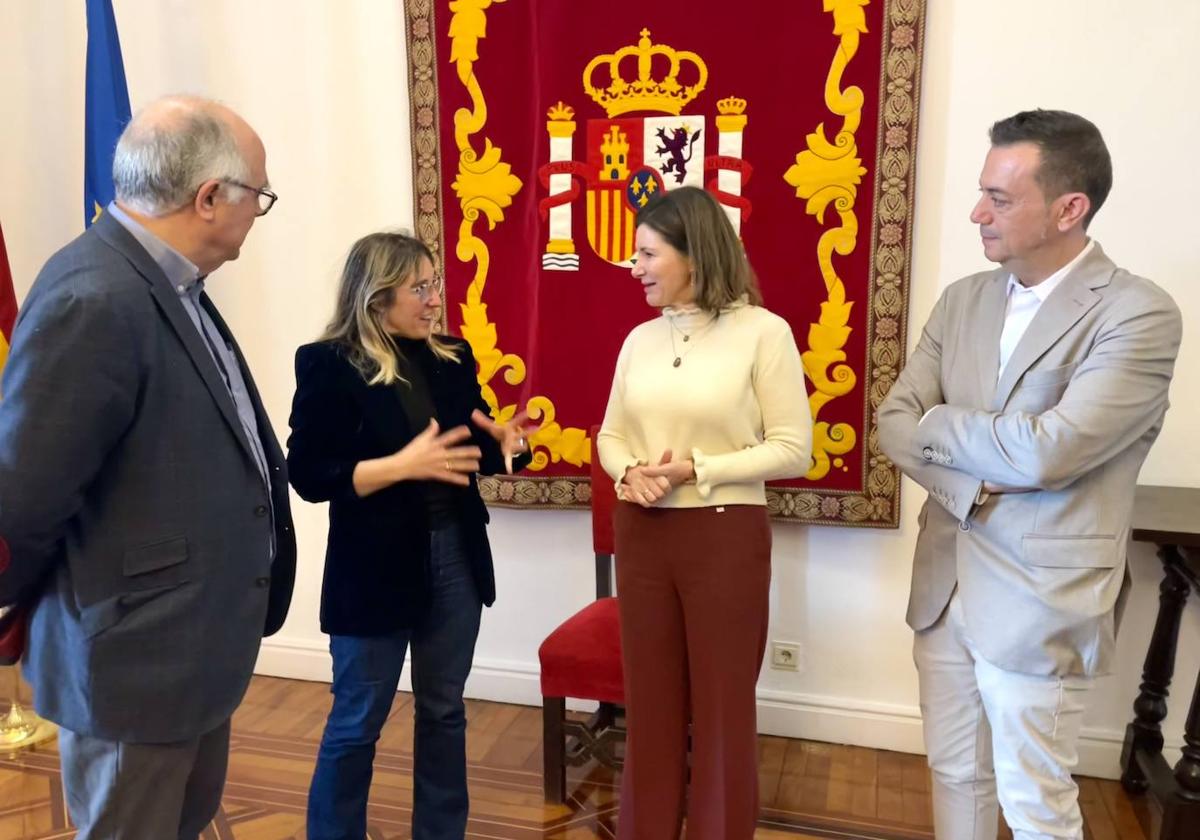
{"type": "Point", "coordinates": [539, 127]}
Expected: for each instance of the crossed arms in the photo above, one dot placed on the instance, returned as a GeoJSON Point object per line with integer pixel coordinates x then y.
{"type": "Point", "coordinates": [1115, 395]}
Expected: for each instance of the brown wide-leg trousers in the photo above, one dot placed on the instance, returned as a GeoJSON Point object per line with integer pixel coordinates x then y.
{"type": "Point", "coordinates": [693, 588]}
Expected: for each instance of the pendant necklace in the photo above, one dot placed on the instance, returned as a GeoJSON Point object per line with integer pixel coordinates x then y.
{"type": "Point", "coordinates": [687, 337]}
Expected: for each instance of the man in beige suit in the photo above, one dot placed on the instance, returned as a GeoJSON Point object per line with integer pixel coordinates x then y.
{"type": "Point", "coordinates": [1026, 411]}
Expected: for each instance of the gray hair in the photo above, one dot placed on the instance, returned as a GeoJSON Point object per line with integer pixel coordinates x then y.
{"type": "Point", "coordinates": [160, 163]}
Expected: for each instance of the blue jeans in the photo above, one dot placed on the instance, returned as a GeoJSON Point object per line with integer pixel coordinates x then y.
{"type": "Point", "coordinates": [365, 673]}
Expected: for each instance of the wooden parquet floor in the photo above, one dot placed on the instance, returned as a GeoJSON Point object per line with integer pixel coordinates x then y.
{"type": "Point", "coordinates": [810, 789]}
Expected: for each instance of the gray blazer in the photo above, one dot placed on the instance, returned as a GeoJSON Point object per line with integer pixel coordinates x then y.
{"type": "Point", "coordinates": [138, 522]}
{"type": "Point", "coordinates": [1041, 573]}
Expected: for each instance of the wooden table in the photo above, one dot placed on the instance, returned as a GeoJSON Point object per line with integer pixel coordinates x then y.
{"type": "Point", "coordinates": [1168, 517]}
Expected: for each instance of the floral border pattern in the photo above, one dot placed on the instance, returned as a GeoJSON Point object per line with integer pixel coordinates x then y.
{"type": "Point", "coordinates": [877, 505]}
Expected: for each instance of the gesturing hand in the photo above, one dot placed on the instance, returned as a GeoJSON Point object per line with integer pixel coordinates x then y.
{"type": "Point", "coordinates": [646, 485]}
{"type": "Point", "coordinates": [512, 436]}
{"type": "Point", "coordinates": [434, 455]}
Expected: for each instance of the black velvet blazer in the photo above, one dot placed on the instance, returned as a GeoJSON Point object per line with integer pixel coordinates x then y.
{"type": "Point", "coordinates": [376, 563]}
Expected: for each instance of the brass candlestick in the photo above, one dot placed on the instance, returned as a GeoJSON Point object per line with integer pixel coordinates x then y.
{"type": "Point", "coordinates": [21, 728]}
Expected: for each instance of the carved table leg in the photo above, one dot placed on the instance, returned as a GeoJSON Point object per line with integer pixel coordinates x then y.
{"type": "Point", "coordinates": [1181, 810]}
{"type": "Point", "coordinates": [1145, 732]}
{"type": "Point", "coordinates": [1187, 769]}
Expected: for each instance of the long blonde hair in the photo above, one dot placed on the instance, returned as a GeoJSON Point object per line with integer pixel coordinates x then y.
{"type": "Point", "coordinates": [376, 267]}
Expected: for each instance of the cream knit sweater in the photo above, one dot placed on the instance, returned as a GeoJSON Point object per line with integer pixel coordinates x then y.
{"type": "Point", "coordinates": [736, 405]}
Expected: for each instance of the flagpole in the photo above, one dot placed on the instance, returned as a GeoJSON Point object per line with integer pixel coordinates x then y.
{"type": "Point", "coordinates": [19, 728]}
{"type": "Point", "coordinates": [106, 111]}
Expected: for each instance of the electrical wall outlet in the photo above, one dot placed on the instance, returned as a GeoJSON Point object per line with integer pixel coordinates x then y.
{"type": "Point", "coordinates": [785, 656]}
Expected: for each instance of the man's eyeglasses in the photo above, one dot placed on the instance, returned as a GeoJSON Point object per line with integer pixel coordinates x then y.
{"type": "Point", "coordinates": [266, 198]}
{"type": "Point", "coordinates": [424, 291]}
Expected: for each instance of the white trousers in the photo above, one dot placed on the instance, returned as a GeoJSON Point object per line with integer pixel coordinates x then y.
{"type": "Point", "coordinates": [991, 732]}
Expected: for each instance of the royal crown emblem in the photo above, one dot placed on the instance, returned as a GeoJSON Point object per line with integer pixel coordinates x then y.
{"type": "Point", "coordinates": [631, 159]}
{"type": "Point", "coordinates": [644, 93]}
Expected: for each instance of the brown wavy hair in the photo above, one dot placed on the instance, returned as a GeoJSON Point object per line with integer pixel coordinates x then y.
{"type": "Point", "coordinates": [695, 225]}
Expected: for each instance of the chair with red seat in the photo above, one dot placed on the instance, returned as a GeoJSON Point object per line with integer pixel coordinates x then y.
{"type": "Point", "coordinates": [582, 659]}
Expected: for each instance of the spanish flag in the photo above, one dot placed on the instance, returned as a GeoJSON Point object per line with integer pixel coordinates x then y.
{"type": "Point", "coordinates": [8, 303]}
{"type": "Point", "coordinates": [12, 625]}
{"type": "Point", "coordinates": [106, 107]}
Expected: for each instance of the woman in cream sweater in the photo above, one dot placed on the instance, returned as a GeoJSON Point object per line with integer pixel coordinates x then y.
{"type": "Point", "coordinates": [708, 402]}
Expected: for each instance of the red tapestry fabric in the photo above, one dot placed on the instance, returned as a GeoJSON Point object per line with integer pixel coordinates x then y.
{"type": "Point", "coordinates": [539, 127]}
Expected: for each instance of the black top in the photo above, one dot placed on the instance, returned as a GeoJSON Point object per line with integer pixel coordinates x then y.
{"type": "Point", "coordinates": [376, 562]}
{"type": "Point", "coordinates": [413, 357]}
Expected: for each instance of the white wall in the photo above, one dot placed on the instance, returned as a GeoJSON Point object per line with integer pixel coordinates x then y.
{"type": "Point", "coordinates": [325, 85]}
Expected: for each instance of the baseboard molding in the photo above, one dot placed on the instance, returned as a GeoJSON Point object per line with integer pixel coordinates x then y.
{"type": "Point", "coordinates": [838, 720]}
{"type": "Point", "coordinates": [499, 680]}
{"type": "Point", "coordinates": [842, 720]}
{"type": "Point", "coordinates": [295, 660]}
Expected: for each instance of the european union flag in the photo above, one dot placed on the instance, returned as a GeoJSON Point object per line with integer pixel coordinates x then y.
{"type": "Point", "coordinates": [106, 107]}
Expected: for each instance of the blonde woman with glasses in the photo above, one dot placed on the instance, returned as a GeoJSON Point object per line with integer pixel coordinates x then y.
{"type": "Point", "coordinates": [390, 428]}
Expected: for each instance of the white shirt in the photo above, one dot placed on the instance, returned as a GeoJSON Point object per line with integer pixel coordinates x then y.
{"type": "Point", "coordinates": [1024, 303]}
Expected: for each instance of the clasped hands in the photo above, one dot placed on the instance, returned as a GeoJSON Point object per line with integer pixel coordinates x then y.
{"type": "Point", "coordinates": [646, 484]}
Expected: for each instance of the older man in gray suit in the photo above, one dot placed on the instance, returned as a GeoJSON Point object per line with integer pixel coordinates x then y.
{"type": "Point", "coordinates": [143, 494]}
{"type": "Point", "coordinates": [1026, 411]}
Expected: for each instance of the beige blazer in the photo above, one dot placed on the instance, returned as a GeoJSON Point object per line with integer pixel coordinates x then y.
{"type": "Point", "coordinates": [1041, 574]}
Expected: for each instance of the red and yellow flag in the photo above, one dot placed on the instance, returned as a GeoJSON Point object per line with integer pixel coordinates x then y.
{"type": "Point", "coordinates": [8, 303]}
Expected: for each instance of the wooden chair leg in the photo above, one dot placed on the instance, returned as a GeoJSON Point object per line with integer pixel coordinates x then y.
{"type": "Point", "coordinates": [554, 749]}
{"type": "Point", "coordinates": [605, 715]}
